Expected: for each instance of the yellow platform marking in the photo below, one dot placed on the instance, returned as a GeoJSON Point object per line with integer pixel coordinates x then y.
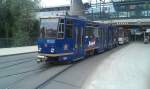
{"type": "Point", "coordinates": [56, 55]}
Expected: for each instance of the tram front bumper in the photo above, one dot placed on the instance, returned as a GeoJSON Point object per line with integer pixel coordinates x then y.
{"type": "Point", "coordinates": [50, 57]}
{"type": "Point", "coordinates": [41, 58]}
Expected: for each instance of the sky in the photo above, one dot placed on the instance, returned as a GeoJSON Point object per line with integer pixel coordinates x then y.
{"type": "Point", "coordinates": [52, 3]}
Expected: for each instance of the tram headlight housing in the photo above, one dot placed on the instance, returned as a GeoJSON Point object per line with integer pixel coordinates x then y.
{"type": "Point", "coordinates": [65, 47]}
{"type": "Point", "coordinates": [52, 50]}
{"type": "Point", "coordinates": [39, 49]}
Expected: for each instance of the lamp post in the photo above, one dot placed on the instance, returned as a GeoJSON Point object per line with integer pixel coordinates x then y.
{"type": "Point", "coordinates": [102, 2]}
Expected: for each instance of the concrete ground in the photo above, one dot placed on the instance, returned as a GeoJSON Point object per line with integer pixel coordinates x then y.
{"type": "Point", "coordinates": [17, 50]}
{"type": "Point", "coordinates": [126, 67]}
{"type": "Point", "coordinates": [23, 72]}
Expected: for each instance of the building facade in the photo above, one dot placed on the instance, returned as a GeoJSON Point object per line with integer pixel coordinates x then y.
{"type": "Point", "coordinates": [132, 8]}
{"type": "Point", "coordinates": [57, 11]}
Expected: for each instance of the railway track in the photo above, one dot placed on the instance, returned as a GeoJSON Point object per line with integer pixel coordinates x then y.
{"type": "Point", "coordinates": [9, 61]}
{"type": "Point", "coordinates": [56, 70]}
{"type": "Point", "coordinates": [17, 63]}
{"type": "Point", "coordinates": [19, 73]}
{"type": "Point", "coordinates": [42, 85]}
{"type": "Point", "coordinates": [29, 72]}
{"type": "Point", "coordinates": [25, 72]}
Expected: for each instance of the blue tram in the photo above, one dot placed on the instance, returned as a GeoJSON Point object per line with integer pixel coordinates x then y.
{"type": "Point", "coordinates": [68, 39]}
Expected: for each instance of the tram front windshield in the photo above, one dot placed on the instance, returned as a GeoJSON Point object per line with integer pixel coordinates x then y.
{"type": "Point", "coordinates": [48, 28]}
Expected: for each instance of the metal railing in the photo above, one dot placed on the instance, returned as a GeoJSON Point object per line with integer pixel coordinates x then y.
{"type": "Point", "coordinates": [108, 16]}
{"type": "Point", "coordinates": [5, 42]}
{"type": "Point", "coordinates": [119, 9]}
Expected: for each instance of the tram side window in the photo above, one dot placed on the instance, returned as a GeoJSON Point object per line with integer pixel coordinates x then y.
{"type": "Point", "coordinates": [61, 29]}
{"type": "Point", "coordinates": [69, 21]}
{"type": "Point", "coordinates": [69, 31]}
{"type": "Point", "coordinates": [89, 32]}
{"type": "Point", "coordinates": [69, 28]}
{"type": "Point", "coordinates": [62, 21]}
{"type": "Point", "coordinates": [60, 35]}
{"type": "Point", "coordinates": [42, 32]}
{"type": "Point", "coordinates": [100, 33]}
{"type": "Point", "coordinates": [96, 32]}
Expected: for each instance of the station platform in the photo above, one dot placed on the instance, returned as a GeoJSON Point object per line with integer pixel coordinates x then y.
{"type": "Point", "coordinates": [126, 67]}
{"type": "Point", "coordinates": [17, 50]}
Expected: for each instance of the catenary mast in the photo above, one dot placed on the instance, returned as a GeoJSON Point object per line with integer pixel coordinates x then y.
{"type": "Point", "coordinates": [77, 8]}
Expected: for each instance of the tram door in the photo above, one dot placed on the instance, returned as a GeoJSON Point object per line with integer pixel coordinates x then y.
{"type": "Point", "coordinates": [101, 36]}
{"type": "Point", "coordinates": [79, 41]}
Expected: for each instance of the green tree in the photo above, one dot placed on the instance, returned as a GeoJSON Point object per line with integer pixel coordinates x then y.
{"type": "Point", "coordinates": [18, 20]}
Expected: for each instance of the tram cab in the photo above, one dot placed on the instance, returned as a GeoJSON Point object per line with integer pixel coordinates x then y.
{"type": "Point", "coordinates": [60, 39]}
{"type": "Point", "coordinates": [68, 39]}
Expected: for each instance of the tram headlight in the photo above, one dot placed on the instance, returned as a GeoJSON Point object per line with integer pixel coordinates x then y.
{"type": "Point", "coordinates": [65, 47]}
{"type": "Point", "coordinates": [52, 50]}
{"type": "Point", "coordinates": [39, 49]}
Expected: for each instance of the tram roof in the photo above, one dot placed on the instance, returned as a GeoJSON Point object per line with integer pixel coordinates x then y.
{"type": "Point", "coordinates": [78, 18]}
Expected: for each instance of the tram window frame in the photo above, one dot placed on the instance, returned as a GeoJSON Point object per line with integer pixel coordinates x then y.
{"type": "Point", "coordinates": [69, 28]}
{"type": "Point", "coordinates": [90, 34]}
{"type": "Point", "coordinates": [100, 32]}
{"type": "Point", "coordinates": [60, 35]}
{"type": "Point", "coordinates": [62, 20]}
{"type": "Point", "coordinates": [103, 33]}
{"type": "Point", "coordinates": [96, 34]}
{"type": "Point", "coordinates": [69, 21]}
{"type": "Point", "coordinates": [42, 33]}
{"type": "Point", "coordinates": [61, 29]}
{"type": "Point", "coordinates": [45, 30]}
